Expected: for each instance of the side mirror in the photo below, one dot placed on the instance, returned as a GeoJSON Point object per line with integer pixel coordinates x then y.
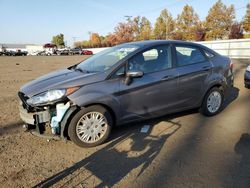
{"type": "Point", "coordinates": [132, 74]}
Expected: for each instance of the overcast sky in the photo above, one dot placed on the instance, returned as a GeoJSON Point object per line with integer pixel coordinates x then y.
{"type": "Point", "coordinates": [36, 21]}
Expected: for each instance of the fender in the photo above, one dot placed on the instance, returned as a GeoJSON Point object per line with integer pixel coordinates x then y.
{"type": "Point", "coordinates": [99, 98]}
{"type": "Point", "coordinates": [102, 93]}
{"type": "Point", "coordinates": [65, 120]}
{"type": "Point", "coordinates": [216, 80]}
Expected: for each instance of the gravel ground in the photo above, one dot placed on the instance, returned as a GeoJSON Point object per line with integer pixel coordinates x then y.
{"type": "Point", "coordinates": [179, 150]}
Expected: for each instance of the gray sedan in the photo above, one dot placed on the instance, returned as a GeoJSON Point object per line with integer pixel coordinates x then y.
{"type": "Point", "coordinates": [125, 83]}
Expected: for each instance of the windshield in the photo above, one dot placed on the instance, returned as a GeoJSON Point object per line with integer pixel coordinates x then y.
{"type": "Point", "coordinates": [102, 61]}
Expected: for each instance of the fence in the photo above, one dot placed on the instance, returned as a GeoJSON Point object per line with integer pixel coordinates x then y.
{"type": "Point", "coordinates": [236, 48]}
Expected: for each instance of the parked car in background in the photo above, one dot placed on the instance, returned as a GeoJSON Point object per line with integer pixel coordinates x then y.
{"type": "Point", "coordinates": [49, 51]}
{"type": "Point", "coordinates": [49, 45]}
{"type": "Point", "coordinates": [42, 53]}
{"type": "Point", "coordinates": [86, 52]}
{"type": "Point", "coordinates": [20, 53]}
{"type": "Point", "coordinates": [13, 53]}
{"type": "Point", "coordinates": [63, 52]}
{"type": "Point", "coordinates": [247, 77]}
{"type": "Point", "coordinates": [33, 53]}
{"type": "Point", "coordinates": [9, 53]}
{"type": "Point", "coordinates": [126, 83]}
{"type": "Point", "coordinates": [75, 51]}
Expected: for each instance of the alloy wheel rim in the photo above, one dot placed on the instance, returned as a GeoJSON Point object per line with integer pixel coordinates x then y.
{"type": "Point", "coordinates": [214, 101]}
{"type": "Point", "coordinates": [91, 127]}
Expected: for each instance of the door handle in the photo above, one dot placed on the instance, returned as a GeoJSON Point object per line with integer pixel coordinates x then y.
{"type": "Point", "coordinates": [168, 77]}
{"type": "Point", "coordinates": [206, 68]}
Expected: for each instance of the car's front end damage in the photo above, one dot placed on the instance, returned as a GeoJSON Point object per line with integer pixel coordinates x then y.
{"type": "Point", "coordinates": [46, 114]}
{"type": "Point", "coordinates": [46, 103]}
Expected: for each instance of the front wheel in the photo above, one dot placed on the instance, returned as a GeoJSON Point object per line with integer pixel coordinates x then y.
{"type": "Point", "coordinates": [212, 103]}
{"type": "Point", "coordinates": [90, 127]}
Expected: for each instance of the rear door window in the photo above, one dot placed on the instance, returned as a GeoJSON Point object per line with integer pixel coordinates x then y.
{"type": "Point", "coordinates": [187, 55]}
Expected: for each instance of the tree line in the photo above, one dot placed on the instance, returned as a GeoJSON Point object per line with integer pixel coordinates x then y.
{"type": "Point", "coordinates": [219, 24]}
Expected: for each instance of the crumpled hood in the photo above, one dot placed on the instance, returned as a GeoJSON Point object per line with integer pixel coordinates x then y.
{"type": "Point", "coordinates": [60, 79]}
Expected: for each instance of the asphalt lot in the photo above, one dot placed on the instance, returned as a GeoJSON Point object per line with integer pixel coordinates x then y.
{"type": "Point", "coordinates": [179, 150]}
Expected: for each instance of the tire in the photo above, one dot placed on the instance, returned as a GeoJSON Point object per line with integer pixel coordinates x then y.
{"type": "Point", "coordinates": [86, 126]}
{"type": "Point", "coordinates": [216, 97]}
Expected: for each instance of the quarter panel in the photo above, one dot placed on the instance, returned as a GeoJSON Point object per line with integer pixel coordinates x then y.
{"type": "Point", "coordinates": [192, 81]}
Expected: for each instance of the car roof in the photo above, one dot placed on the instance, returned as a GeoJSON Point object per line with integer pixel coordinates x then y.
{"type": "Point", "coordinates": [149, 43]}
{"type": "Point", "coordinates": [159, 42]}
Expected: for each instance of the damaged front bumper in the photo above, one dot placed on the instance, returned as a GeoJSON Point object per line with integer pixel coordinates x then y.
{"type": "Point", "coordinates": [47, 120]}
{"type": "Point", "coordinates": [33, 118]}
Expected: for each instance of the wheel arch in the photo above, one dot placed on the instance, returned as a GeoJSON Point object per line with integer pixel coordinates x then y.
{"type": "Point", "coordinates": [74, 109]}
{"type": "Point", "coordinates": [215, 84]}
{"type": "Point", "coordinates": [66, 120]}
{"type": "Point", "coordinates": [218, 85]}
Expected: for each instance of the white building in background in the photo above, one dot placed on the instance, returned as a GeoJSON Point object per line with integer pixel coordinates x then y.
{"type": "Point", "coordinates": [34, 48]}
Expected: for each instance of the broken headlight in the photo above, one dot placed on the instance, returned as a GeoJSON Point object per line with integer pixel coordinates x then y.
{"type": "Point", "coordinates": [50, 96]}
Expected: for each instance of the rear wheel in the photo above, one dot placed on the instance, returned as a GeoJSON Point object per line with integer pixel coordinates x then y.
{"type": "Point", "coordinates": [90, 127]}
{"type": "Point", "coordinates": [212, 103]}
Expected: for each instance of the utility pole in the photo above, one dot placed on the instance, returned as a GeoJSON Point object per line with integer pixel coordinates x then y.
{"type": "Point", "coordinates": [90, 34]}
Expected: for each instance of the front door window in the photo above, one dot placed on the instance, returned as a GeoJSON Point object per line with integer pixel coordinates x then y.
{"type": "Point", "coordinates": [152, 60]}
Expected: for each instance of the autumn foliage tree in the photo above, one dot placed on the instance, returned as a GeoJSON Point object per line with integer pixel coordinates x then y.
{"type": "Point", "coordinates": [95, 39]}
{"type": "Point", "coordinates": [135, 29]}
{"type": "Point", "coordinates": [236, 31]}
{"type": "Point", "coordinates": [142, 29]}
{"type": "Point", "coordinates": [246, 19]}
{"type": "Point", "coordinates": [123, 33]}
{"type": "Point", "coordinates": [164, 26]}
{"type": "Point", "coordinates": [187, 23]}
{"type": "Point", "coordinates": [219, 21]}
{"type": "Point", "coordinates": [219, 24]}
{"type": "Point", "coordinates": [199, 33]}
